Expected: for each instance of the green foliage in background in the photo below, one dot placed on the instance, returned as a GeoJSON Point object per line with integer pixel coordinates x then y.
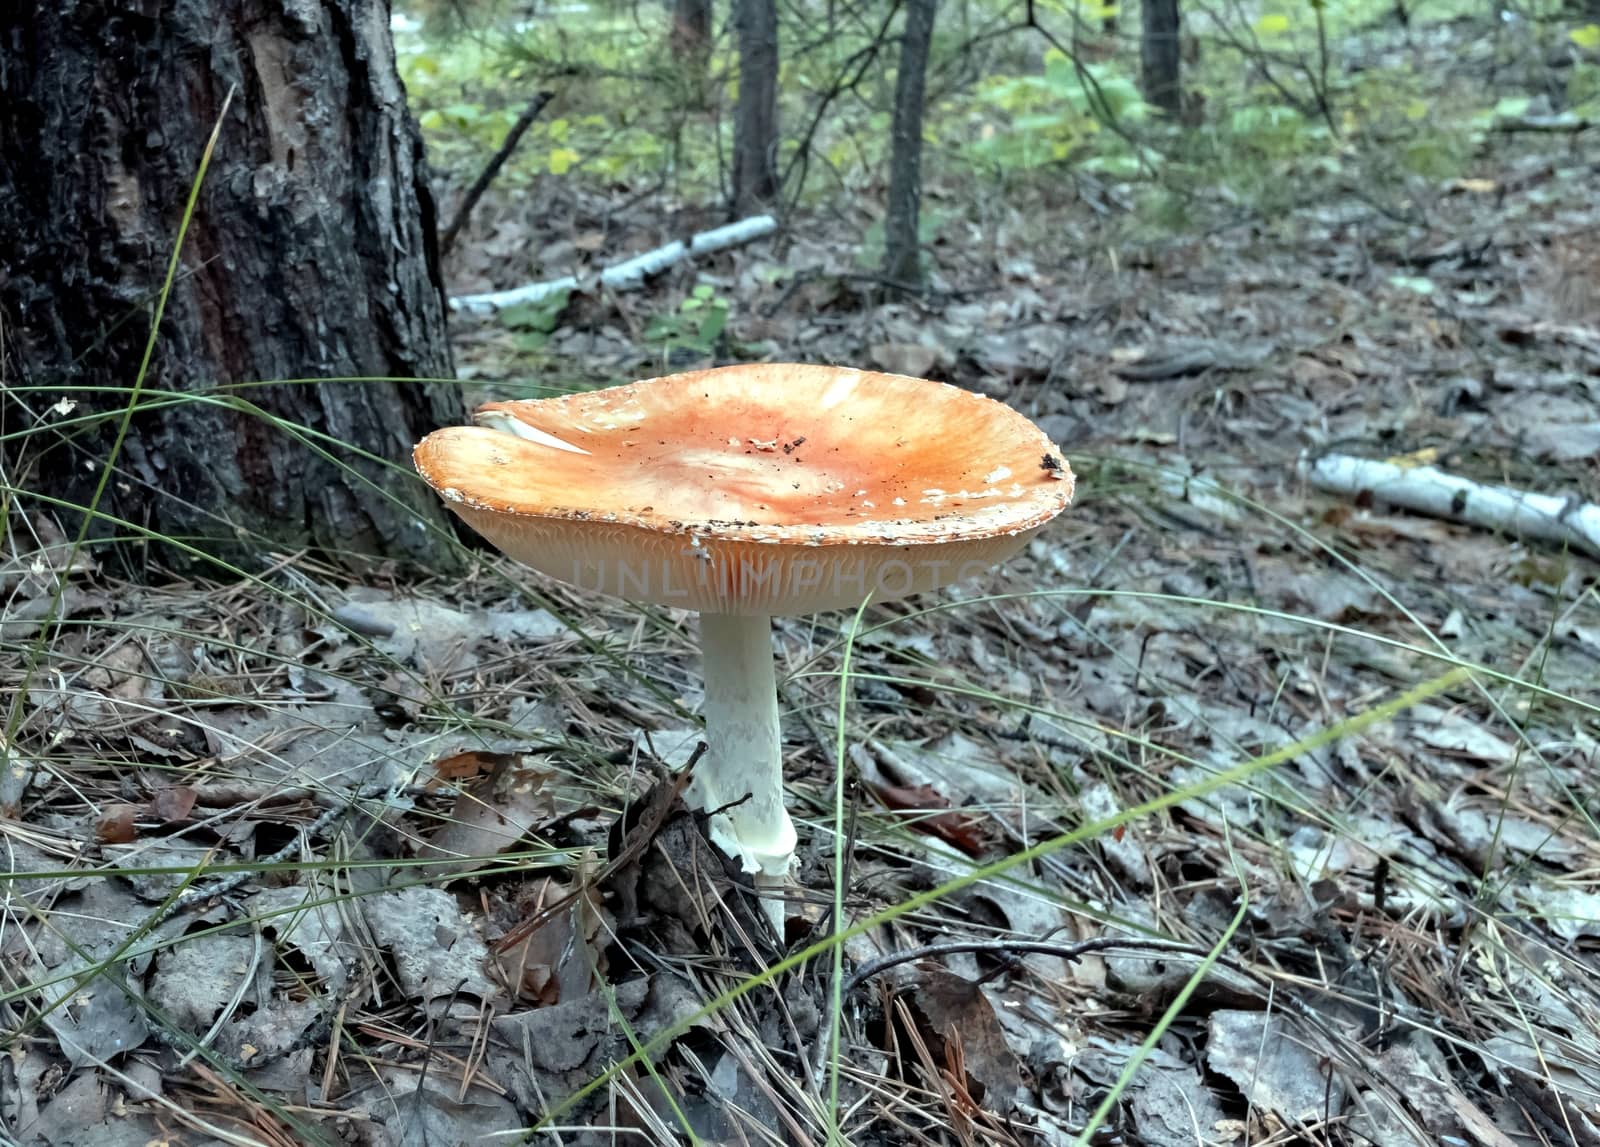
{"type": "Point", "coordinates": [534, 323]}
{"type": "Point", "coordinates": [1289, 98]}
{"type": "Point", "coordinates": [468, 89]}
{"type": "Point", "coordinates": [1060, 115]}
{"type": "Point", "coordinates": [696, 325]}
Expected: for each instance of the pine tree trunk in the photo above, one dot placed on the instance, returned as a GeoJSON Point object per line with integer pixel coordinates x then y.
{"type": "Point", "coordinates": [1159, 56]}
{"type": "Point", "coordinates": [902, 261]}
{"type": "Point", "coordinates": [755, 128]}
{"type": "Point", "coordinates": [311, 255]}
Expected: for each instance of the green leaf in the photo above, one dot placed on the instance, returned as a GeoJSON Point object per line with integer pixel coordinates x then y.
{"type": "Point", "coordinates": [1586, 37]}
{"type": "Point", "coordinates": [542, 316]}
{"type": "Point", "coordinates": [711, 326]}
{"type": "Point", "coordinates": [1117, 166]}
{"type": "Point", "coordinates": [1060, 73]}
{"type": "Point", "coordinates": [558, 129]}
{"type": "Point", "coordinates": [1272, 24]}
{"type": "Point", "coordinates": [561, 159]}
{"type": "Point", "coordinates": [1042, 124]}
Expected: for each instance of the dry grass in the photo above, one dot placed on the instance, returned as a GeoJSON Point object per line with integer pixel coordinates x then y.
{"type": "Point", "coordinates": [1156, 876]}
{"type": "Point", "coordinates": [1412, 898]}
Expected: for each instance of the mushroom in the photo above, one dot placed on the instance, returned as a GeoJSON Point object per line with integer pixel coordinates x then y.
{"type": "Point", "coordinates": [746, 493]}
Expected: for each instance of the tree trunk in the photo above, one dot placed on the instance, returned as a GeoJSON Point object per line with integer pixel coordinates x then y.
{"type": "Point", "coordinates": [691, 47]}
{"type": "Point", "coordinates": [755, 128]}
{"type": "Point", "coordinates": [902, 248]}
{"type": "Point", "coordinates": [1159, 56]}
{"type": "Point", "coordinates": [311, 255]}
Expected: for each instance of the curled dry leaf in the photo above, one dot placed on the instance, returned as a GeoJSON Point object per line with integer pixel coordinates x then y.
{"type": "Point", "coordinates": [1172, 1107]}
{"type": "Point", "coordinates": [173, 803]}
{"type": "Point", "coordinates": [905, 358]}
{"type": "Point", "coordinates": [467, 765]}
{"type": "Point", "coordinates": [555, 961]}
{"type": "Point", "coordinates": [964, 830]}
{"type": "Point", "coordinates": [16, 774]}
{"type": "Point", "coordinates": [554, 1050]}
{"type": "Point", "coordinates": [116, 824]}
{"type": "Point", "coordinates": [491, 815]}
{"type": "Point", "coordinates": [952, 1003]}
{"type": "Point", "coordinates": [1273, 1066]}
{"type": "Point", "coordinates": [193, 981]}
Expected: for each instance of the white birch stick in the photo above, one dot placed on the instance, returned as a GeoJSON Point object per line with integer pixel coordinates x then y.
{"type": "Point", "coordinates": [630, 273]}
{"type": "Point", "coordinates": [1426, 490]}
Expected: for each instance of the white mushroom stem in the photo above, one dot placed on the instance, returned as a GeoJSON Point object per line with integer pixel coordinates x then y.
{"type": "Point", "coordinates": [744, 752]}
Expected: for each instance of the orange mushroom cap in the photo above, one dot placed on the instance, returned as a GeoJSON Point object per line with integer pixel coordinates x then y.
{"type": "Point", "coordinates": [773, 489]}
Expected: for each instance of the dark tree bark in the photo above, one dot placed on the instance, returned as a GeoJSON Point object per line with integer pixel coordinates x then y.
{"type": "Point", "coordinates": [691, 46]}
{"type": "Point", "coordinates": [1160, 56]}
{"type": "Point", "coordinates": [902, 249]}
{"type": "Point", "coordinates": [755, 127]}
{"type": "Point", "coordinates": [311, 255]}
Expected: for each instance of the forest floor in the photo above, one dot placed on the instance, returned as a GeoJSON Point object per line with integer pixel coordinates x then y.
{"type": "Point", "coordinates": [264, 838]}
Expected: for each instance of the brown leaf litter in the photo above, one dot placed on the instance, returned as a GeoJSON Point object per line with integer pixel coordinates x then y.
{"type": "Point", "coordinates": [309, 860]}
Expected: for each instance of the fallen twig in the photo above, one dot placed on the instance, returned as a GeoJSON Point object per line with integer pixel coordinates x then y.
{"type": "Point", "coordinates": [1427, 490]}
{"type": "Point", "coordinates": [1068, 952]}
{"type": "Point", "coordinates": [447, 238]}
{"type": "Point", "coordinates": [660, 801]}
{"type": "Point", "coordinates": [1565, 124]}
{"type": "Point", "coordinates": [1269, 984]}
{"type": "Point", "coordinates": [629, 274]}
{"type": "Point", "coordinates": [202, 895]}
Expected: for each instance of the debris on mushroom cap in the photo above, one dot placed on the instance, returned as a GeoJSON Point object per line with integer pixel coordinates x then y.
{"type": "Point", "coordinates": [585, 485]}
{"type": "Point", "coordinates": [696, 453]}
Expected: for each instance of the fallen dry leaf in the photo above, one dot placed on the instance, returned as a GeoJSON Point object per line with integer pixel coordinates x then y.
{"type": "Point", "coordinates": [965, 831]}
{"type": "Point", "coordinates": [435, 950]}
{"type": "Point", "coordinates": [949, 1001]}
{"type": "Point", "coordinates": [466, 765]}
{"type": "Point", "coordinates": [491, 815]}
{"type": "Point", "coordinates": [557, 960]}
{"type": "Point", "coordinates": [173, 803]}
{"type": "Point", "coordinates": [905, 358]}
{"type": "Point", "coordinates": [115, 825]}
{"type": "Point", "coordinates": [1271, 1063]}
{"type": "Point", "coordinates": [530, 967]}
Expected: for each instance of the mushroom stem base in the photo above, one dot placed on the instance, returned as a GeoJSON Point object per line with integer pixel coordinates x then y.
{"type": "Point", "coordinates": [743, 762]}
